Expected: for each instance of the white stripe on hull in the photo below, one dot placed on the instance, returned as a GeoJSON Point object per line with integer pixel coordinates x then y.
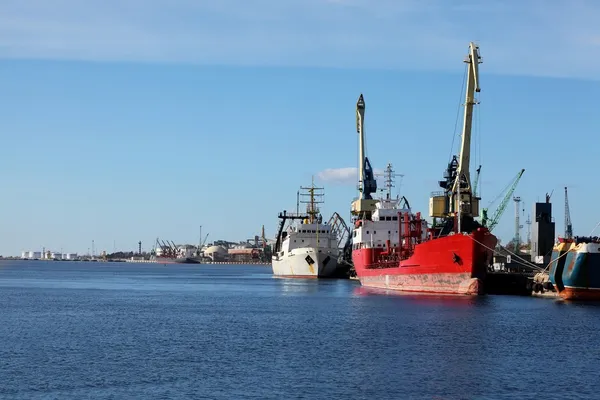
{"type": "Point", "coordinates": [294, 263]}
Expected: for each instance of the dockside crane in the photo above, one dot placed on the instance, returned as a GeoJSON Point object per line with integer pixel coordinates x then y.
{"type": "Point", "coordinates": [492, 222]}
{"type": "Point", "coordinates": [568, 224]}
{"type": "Point", "coordinates": [204, 241]}
{"type": "Point", "coordinates": [367, 185]}
{"type": "Point", "coordinates": [457, 206]}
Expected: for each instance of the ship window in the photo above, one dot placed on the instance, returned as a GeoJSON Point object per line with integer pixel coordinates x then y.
{"type": "Point", "coordinates": [389, 232]}
{"type": "Point", "coordinates": [374, 232]}
{"type": "Point", "coordinates": [313, 231]}
{"type": "Point", "coordinates": [302, 240]}
{"type": "Point", "coordinates": [367, 232]}
{"type": "Point", "coordinates": [394, 218]}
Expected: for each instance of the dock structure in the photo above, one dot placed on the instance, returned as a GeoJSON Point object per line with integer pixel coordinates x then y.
{"type": "Point", "coordinates": [524, 271]}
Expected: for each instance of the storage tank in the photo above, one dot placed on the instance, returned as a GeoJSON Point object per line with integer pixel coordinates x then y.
{"type": "Point", "coordinates": [24, 255]}
{"type": "Point", "coordinates": [36, 255]}
{"type": "Point", "coordinates": [216, 253]}
{"type": "Point", "coordinates": [71, 256]}
{"type": "Point", "coordinates": [56, 256]}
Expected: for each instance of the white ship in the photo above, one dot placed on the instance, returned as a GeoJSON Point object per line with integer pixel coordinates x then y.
{"type": "Point", "coordinates": [307, 248]}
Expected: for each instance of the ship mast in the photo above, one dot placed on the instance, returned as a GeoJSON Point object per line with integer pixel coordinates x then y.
{"type": "Point", "coordinates": [311, 205]}
{"type": "Point", "coordinates": [388, 176]}
{"type": "Point", "coordinates": [462, 182]}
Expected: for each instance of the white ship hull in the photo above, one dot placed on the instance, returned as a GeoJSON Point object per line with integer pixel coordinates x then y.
{"type": "Point", "coordinates": [297, 263]}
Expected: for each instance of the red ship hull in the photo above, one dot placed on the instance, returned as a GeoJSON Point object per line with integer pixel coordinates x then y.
{"type": "Point", "coordinates": [590, 294]}
{"type": "Point", "coordinates": [455, 264]}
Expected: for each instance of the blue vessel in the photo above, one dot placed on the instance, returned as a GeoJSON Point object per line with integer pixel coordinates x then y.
{"type": "Point", "coordinates": [575, 268]}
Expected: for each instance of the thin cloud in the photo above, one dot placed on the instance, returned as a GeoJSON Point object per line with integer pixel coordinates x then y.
{"type": "Point", "coordinates": [345, 176]}
{"type": "Point", "coordinates": [537, 37]}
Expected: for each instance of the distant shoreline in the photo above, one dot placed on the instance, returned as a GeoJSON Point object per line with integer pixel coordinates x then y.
{"type": "Point", "coordinates": [139, 261]}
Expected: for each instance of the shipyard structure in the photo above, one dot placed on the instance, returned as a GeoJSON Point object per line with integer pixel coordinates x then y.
{"type": "Point", "coordinates": [257, 249]}
{"type": "Point", "coordinates": [534, 254]}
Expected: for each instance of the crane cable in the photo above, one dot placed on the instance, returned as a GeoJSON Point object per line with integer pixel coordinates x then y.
{"type": "Point", "coordinates": [523, 262]}
{"type": "Point", "coordinates": [478, 147]}
{"type": "Point", "coordinates": [503, 192]}
{"type": "Point", "coordinates": [598, 224]}
{"type": "Point", "coordinates": [458, 112]}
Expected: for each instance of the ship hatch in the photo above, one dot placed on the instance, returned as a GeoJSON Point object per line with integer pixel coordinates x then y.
{"type": "Point", "coordinates": [326, 260]}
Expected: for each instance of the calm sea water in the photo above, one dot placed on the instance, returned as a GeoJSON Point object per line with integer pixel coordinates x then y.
{"type": "Point", "coordinates": [145, 331]}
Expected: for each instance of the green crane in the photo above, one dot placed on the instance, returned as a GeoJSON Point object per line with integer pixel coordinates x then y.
{"type": "Point", "coordinates": [491, 224]}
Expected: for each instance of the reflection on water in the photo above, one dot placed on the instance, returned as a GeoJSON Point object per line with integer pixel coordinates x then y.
{"type": "Point", "coordinates": [311, 285]}
{"type": "Point", "coordinates": [419, 298]}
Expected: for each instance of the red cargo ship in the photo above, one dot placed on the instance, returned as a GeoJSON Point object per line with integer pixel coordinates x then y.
{"type": "Point", "coordinates": [394, 248]}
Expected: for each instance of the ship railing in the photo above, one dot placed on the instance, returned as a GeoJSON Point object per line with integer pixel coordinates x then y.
{"type": "Point", "coordinates": [294, 215]}
{"type": "Point", "coordinates": [586, 239]}
{"type": "Point", "coordinates": [437, 193]}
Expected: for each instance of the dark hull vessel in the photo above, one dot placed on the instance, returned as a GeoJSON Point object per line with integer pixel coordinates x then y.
{"type": "Point", "coordinates": [575, 268]}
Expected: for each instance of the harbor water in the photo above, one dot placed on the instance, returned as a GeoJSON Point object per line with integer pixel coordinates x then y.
{"type": "Point", "coordinates": [87, 330]}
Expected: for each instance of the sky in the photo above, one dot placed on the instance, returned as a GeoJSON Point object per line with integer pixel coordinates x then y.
{"type": "Point", "coordinates": [130, 120]}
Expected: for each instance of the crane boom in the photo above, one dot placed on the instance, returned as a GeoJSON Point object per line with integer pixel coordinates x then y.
{"type": "Point", "coordinates": [462, 174]}
{"type": "Point", "coordinates": [502, 207]}
{"type": "Point", "coordinates": [568, 224]}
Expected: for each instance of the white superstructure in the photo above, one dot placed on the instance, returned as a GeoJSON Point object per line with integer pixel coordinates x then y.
{"type": "Point", "coordinates": [383, 227]}
{"type": "Point", "coordinates": [307, 248]}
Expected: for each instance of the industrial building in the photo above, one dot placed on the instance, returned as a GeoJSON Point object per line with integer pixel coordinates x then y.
{"type": "Point", "coordinates": [48, 255]}
{"type": "Point", "coordinates": [541, 240]}
{"type": "Point", "coordinates": [245, 254]}
{"type": "Point", "coordinates": [31, 255]}
{"type": "Point", "coordinates": [216, 253]}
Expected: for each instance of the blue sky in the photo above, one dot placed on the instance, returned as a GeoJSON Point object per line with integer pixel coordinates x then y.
{"type": "Point", "coordinates": [130, 120]}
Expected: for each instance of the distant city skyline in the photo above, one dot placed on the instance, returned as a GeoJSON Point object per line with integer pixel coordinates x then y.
{"type": "Point", "coordinates": [119, 129]}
